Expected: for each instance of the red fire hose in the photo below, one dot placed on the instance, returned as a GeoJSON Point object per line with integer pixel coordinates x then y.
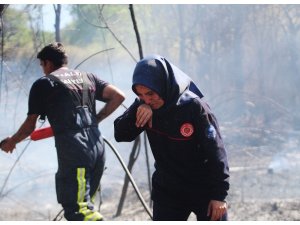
{"type": "Point", "coordinates": [41, 133]}
{"type": "Point", "coordinates": [38, 134]}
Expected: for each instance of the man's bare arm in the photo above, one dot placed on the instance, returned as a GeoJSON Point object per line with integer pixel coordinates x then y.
{"type": "Point", "coordinates": [24, 131]}
{"type": "Point", "coordinates": [114, 98]}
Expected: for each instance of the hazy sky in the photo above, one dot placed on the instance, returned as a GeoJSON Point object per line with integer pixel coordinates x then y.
{"type": "Point", "coordinates": [49, 15]}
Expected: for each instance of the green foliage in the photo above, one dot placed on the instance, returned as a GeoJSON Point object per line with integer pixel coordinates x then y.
{"type": "Point", "coordinates": [16, 32]}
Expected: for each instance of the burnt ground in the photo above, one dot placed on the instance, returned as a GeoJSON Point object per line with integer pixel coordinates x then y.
{"type": "Point", "coordinates": [265, 180]}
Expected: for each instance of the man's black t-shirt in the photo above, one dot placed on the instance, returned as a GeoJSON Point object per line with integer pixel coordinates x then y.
{"type": "Point", "coordinates": [43, 89]}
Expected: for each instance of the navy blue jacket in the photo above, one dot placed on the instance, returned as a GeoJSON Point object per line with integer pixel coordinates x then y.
{"type": "Point", "coordinates": [190, 157]}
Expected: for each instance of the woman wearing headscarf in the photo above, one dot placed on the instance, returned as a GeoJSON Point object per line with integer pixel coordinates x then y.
{"type": "Point", "coordinates": [191, 169]}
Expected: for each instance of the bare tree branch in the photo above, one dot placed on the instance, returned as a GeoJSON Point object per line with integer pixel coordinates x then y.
{"type": "Point", "coordinates": [109, 29]}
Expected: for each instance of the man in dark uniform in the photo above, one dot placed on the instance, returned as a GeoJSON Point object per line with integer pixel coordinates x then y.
{"type": "Point", "coordinates": [192, 173]}
{"type": "Point", "coordinates": [68, 98]}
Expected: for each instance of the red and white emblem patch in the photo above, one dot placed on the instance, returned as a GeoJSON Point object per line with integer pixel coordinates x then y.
{"type": "Point", "coordinates": [186, 129]}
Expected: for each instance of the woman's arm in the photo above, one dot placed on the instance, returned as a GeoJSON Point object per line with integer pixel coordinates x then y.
{"type": "Point", "coordinates": [125, 125]}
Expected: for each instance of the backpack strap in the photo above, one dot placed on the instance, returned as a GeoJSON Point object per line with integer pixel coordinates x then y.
{"type": "Point", "coordinates": [85, 89]}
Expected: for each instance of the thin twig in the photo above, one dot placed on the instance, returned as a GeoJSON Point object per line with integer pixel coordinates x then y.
{"type": "Point", "coordinates": [92, 56]}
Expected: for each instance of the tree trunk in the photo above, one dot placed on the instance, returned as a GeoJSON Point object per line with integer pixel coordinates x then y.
{"type": "Point", "coordinates": [57, 10]}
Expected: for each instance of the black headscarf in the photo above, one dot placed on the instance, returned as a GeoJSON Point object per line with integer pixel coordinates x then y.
{"type": "Point", "coordinates": [168, 81]}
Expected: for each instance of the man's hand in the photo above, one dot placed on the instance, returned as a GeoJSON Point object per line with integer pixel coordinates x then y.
{"type": "Point", "coordinates": [8, 145]}
{"type": "Point", "coordinates": [143, 116]}
{"type": "Point", "coordinates": [28, 126]}
{"type": "Point", "coordinates": [216, 209]}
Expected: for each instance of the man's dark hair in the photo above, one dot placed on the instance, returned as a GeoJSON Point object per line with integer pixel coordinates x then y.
{"type": "Point", "coordinates": [54, 52]}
